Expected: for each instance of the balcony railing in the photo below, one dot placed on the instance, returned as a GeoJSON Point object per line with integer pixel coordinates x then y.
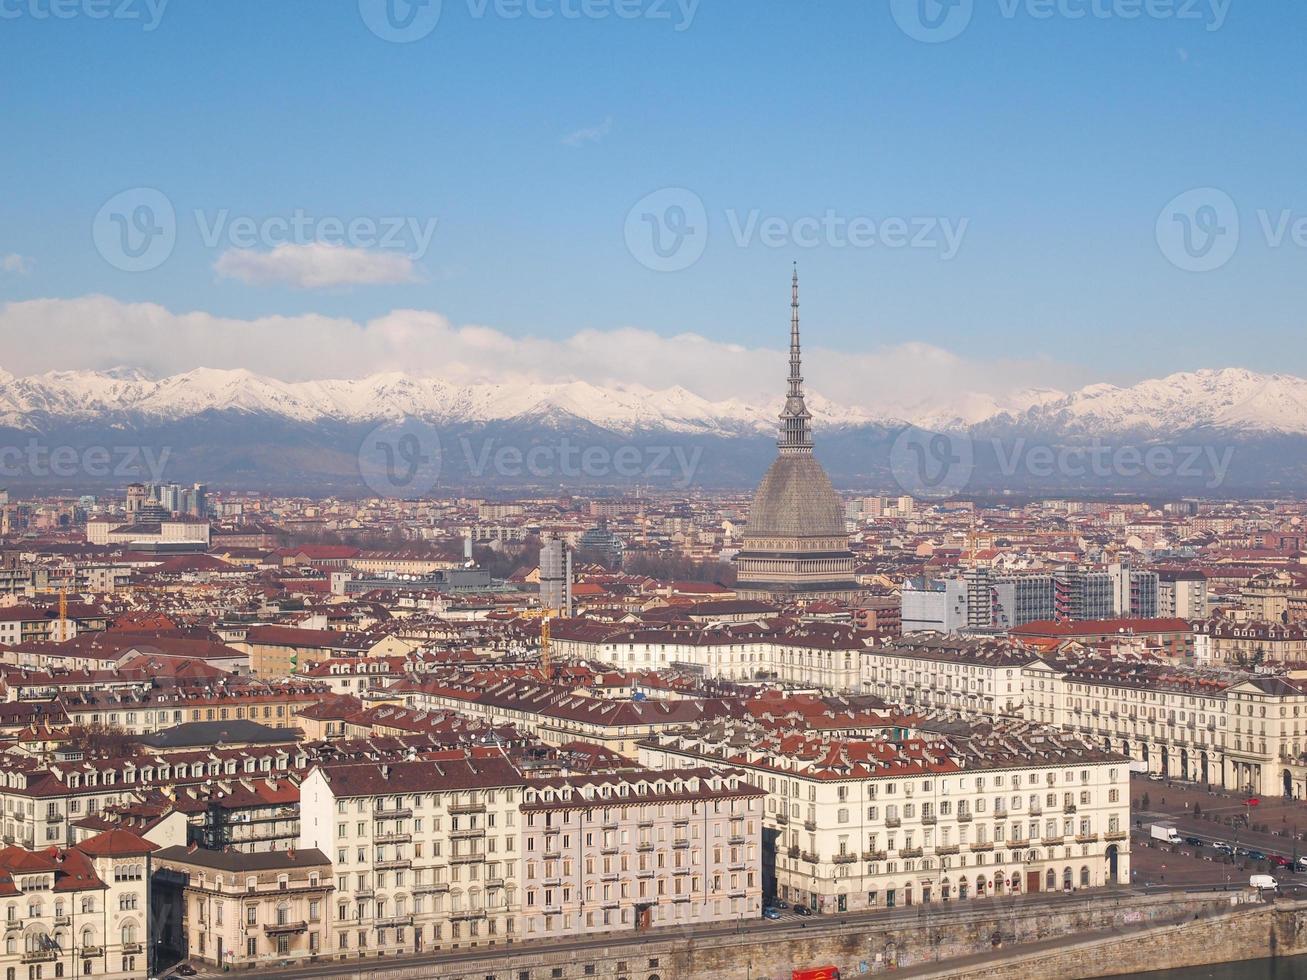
{"type": "Point", "coordinates": [1115, 835]}
{"type": "Point", "coordinates": [810, 857]}
{"type": "Point", "coordinates": [1086, 838]}
{"type": "Point", "coordinates": [42, 955]}
{"type": "Point", "coordinates": [844, 858]}
{"type": "Point", "coordinates": [397, 864]}
{"type": "Point", "coordinates": [910, 852]}
{"type": "Point", "coordinates": [432, 887]}
{"type": "Point", "coordinates": [929, 818]}
{"type": "Point", "coordinates": [91, 951]}
{"type": "Point", "coordinates": [947, 849]}
{"type": "Point", "coordinates": [401, 814]}
{"type": "Point", "coordinates": [392, 838]}
{"type": "Point", "coordinates": [965, 817]}
{"type": "Point", "coordinates": [131, 947]}
{"type": "Point", "coordinates": [285, 928]}
{"type": "Point", "coordinates": [389, 921]}
{"type": "Point", "coordinates": [893, 822]}
{"type": "Point", "coordinates": [982, 846]}
{"type": "Point", "coordinates": [874, 855]}
{"type": "Point", "coordinates": [1069, 808]}
{"type": "Point", "coordinates": [792, 851]}
{"type": "Point", "coordinates": [457, 808]}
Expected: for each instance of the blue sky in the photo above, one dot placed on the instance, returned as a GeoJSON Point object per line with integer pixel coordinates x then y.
{"type": "Point", "coordinates": [1054, 141]}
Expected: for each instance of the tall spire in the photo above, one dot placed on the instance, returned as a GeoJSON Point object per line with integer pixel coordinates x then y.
{"type": "Point", "coordinates": [796, 437]}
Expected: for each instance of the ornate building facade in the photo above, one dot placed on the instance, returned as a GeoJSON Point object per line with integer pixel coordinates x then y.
{"type": "Point", "coordinates": [796, 546]}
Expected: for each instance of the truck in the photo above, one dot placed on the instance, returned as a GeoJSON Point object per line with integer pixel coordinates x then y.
{"type": "Point", "coordinates": [1165, 832]}
{"type": "Point", "coordinates": [817, 973]}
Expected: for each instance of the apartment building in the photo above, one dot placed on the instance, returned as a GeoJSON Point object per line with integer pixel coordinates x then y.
{"type": "Point", "coordinates": [858, 823]}
{"type": "Point", "coordinates": [1224, 643]}
{"type": "Point", "coordinates": [1247, 733]}
{"type": "Point", "coordinates": [237, 911]}
{"type": "Point", "coordinates": [83, 911]}
{"type": "Point", "coordinates": [426, 853]}
{"type": "Point", "coordinates": [938, 672]}
{"type": "Point", "coordinates": [807, 654]}
{"type": "Point", "coordinates": [616, 851]}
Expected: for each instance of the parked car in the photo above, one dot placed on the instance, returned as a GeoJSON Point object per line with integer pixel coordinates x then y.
{"type": "Point", "coordinates": [1195, 841]}
{"type": "Point", "coordinates": [802, 910]}
{"type": "Point", "coordinates": [1240, 851]}
{"type": "Point", "coordinates": [1263, 883]}
{"type": "Point", "coordinates": [1300, 865]}
{"type": "Point", "coordinates": [1256, 856]}
{"type": "Point", "coordinates": [185, 970]}
{"type": "Point", "coordinates": [771, 913]}
{"type": "Point", "coordinates": [779, 903]}
{"type": "Point", "coordinates": [1221, 847]}
{"type": "Point", "coordinates": [1280, 861]}
{"type": "Point", "coordinates": [1156, 777]}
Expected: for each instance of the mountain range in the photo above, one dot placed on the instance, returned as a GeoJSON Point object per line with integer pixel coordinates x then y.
{"type": "Point", "coordinates": [237, 427]}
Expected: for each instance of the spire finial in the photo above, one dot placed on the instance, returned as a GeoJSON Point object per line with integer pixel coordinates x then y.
{"type": "Point", "coordinates": [795, 436]}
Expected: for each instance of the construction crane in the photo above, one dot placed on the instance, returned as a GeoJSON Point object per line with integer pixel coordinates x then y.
{"type": "Point", "coordinates": [546, 667]}
{"type": "Point", "coordinates": [63, 612]}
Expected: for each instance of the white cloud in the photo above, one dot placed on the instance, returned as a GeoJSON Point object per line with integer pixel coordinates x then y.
{"type": "Point", "coordinates": [589, 134]}
{"type": "Point", "coordinates": [99, 332]}
{"type": "Point", "coordinates": [315, 265]}
{"type": "Point", "coordinates": [18, 265]}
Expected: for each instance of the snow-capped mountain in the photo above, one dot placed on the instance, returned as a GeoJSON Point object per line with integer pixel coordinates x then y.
{"type": "Point", "coordinates": [1230, 400]}
{"type": "Point", "coordinates": [1218, 430]}
{"type": "Point", "coordinates": [122, 394]}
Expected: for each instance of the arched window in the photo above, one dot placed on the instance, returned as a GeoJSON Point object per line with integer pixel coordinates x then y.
{"type": "Point", "coordinates": [129, 933]}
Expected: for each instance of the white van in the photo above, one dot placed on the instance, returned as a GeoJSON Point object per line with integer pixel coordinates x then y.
{"type": "Point", "coordinates": [1263, 883]}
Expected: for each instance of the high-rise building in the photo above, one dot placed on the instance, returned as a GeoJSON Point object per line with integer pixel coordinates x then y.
{"type": "Point", "coordinates": [796, 545]}
{"type": "Point", "coordinates": [556, 575]}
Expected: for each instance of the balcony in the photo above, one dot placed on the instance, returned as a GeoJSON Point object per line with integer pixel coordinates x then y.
{"type": "Point", "coordinates": [609, 825]}
{"type": "Point", "coordinates": [476, 858]}
{"type": "Point", "coordinates": [1057, 839]}
{"type": "Point", "coordinates": [844, 858]}
{"type": "Point", "coordinates": [1036, 810]}
{"type": "Point", "coordinates": [401, 814]}
{"type": "Point", "coordinates": [810, 857]}
{"type": "Point", "coordinates": [965, 817]}
{"type": "Point", "coordinates": [874, 855]}
{"type": "Point", "coordinates": [910, 852]}
{"type": "Point", "coordinates": [392, 838]}
{"type": "Point", "coordinates": [44, 955]}
{"type": "Point", "coordinates": [735, 840]}
{"type": "Point", "coordinates": [464, 915]}
{"type": "Point", "coordinates": [947, 849]}
{"type": "Point", "coordinates": [460, 808]}
{"type": "Point", "coordinates": [681, 844]}
{"type": "Point", "coordinates": [63, 920]}
{"type": "Point", "coordinates": [681, 822]}
{"type": "Point", "coordinates": [433, 888]}
{"type": "Point", "coordinates": [982, 846]}
{"type": "Point", "coordinates": [1086, 838]}
{"type": "Point", "coordinates": [1069, 808]}
{"type": "Point", "coordinates": [1115, 835]}
{"type": "Point", "coordinates": [132, 947]}
{"type": "Point", "coordinates": [91, 951]}
{"type": "Point", "coordinates": [810, 825]}
{"type": "Point", "coordinates": [285, 928]}
{"type": "Point", "coordinates": [645, 873]}
{"type": "Point", "coordinates": [389, 921]}
{"type": "Point", "coordinates": [398, 864]}
{"type": "Point", "coordinates": [645, 825]}
{"type": "Point", "coordinates": [554, 854]}
{"type": "Point", "coordinates": [54, 817]}
{"type": "Point", "coordinates": [928, 818]}
{"type": "Point", "coordinates": [646, 845]}
{"type": "Point", "coordinates": [893, 822]}
{"type": "Point", "coordinates": [364, 892]}
{"type": "Point", "coordinates": [782, 817]}
{"type": "Point", "coordinates": [467, 834]}
{"type": "Point", "coordinates": [792, 851]}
